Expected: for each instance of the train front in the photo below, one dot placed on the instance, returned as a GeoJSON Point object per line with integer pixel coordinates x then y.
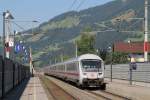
{"type": "Point", "coordinates": [92, 72]}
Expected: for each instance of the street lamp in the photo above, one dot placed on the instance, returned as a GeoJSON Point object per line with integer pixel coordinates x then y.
{"type": "Point", "coordinates": [146, 32]}
{"type": "Point", "coordinates": [130, 57]}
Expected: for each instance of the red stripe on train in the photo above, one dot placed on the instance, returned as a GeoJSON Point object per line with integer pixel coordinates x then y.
{"type": "Point", "coordinates": [69, 73]}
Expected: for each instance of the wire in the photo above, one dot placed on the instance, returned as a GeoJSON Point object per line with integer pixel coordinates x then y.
{"type": "Point", "coordinates": [18, 25]}
{"type": "Point", "coordinates": [81, 3]}
{"type": "Point", "coordinates": [73, 3]}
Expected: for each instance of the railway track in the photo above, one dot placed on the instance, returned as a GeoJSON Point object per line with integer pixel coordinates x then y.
{"type": "Point", "coordinates": [56, 91]}
{"type": "Point", "coordinates": [106, 95]}
{"type": "Point", "coordinates": [59, 93]}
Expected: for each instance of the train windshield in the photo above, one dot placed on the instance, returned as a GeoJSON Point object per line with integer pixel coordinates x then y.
{"type": "Point", "coordinates": [91, 65]}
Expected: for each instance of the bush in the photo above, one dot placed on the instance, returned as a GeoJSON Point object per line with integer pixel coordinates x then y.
{"type": "Point", "coordinates": [117, 58]}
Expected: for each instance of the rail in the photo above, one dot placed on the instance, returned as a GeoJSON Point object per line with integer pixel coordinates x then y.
{"type": "Point", "coordinates": [108, 95]}
{"type": "Point", "coordinates": [56, 91]}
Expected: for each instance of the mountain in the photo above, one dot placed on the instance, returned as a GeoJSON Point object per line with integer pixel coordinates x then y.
{"type": "Point", "coordinates": [56, 36]}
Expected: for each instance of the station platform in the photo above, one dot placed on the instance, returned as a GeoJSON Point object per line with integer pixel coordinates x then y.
{"type": "Point", "coordinates": [136, 91]}
{"type": "Point", "coordinates": [30, 89]}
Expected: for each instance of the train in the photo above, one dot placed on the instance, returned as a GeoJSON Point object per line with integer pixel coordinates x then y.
{"type": "Point", "coordinates": [86, 70]}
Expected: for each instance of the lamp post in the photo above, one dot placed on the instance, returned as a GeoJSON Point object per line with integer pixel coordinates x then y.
{"type": "Point", "coordinates": [130, 67]}
{"type": "Point", "coordinates": [14, 57]}
{"type": "Point", "coordinates": [146, 32]}
{"type": "Point", "coordinates": [76, 48]}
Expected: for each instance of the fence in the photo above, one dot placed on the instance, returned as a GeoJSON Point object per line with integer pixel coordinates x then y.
{"type": "Point", "coordinates": [11, 74]}
{"type": "Point", "coordinates": [122, 71]}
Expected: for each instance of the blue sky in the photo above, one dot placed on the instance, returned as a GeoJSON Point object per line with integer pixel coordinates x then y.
{"type": "Point", "coordinates": [41, 10]}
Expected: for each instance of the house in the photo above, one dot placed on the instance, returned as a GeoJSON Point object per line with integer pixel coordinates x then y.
{"type": "Point", "coordinates": [135, 49]}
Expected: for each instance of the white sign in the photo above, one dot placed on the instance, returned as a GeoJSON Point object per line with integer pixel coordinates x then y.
{"type": "Point", "coordinates": [7, 55]}
{"type": "Point", "coordinates": [11, 42]}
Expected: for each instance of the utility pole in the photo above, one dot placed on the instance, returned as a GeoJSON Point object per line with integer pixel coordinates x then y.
{"type": "Point", "coordinates": [61, 57]}
{"type": "Point", "coordinates": [76, 49]}
{"type": "Point", "coordinates": [4, 53]}
{"type": "Point", "coordinates": [146, 32]}
{"type": "Point", "coordinates": [3, 68]}
{"type": "Point", "coordinates": [14, 56]}
{"type": "Point", "coordinates": [31, 65]}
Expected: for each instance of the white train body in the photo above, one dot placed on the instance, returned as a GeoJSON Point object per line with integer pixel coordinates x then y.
{"type": "Point", "coordinates": [86, 70]}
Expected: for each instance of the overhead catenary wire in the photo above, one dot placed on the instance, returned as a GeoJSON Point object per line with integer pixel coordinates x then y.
{"type": "Point", "coordinates": [18, 26]}
{"type": "Point", "coordinates": [81, 3]}
{"type": "Point", "coordinates": [73, 3]}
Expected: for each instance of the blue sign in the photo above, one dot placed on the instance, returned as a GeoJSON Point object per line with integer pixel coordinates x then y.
{"type": "Point", "coordinates": [17, 48]}
{"type": "Point", "coordinates": [23, 47]}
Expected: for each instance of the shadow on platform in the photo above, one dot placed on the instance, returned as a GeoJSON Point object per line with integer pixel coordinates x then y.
{"type": "Point", "coordinates": [17, 92]}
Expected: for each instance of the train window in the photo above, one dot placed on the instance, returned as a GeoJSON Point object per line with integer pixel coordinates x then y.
{"type": "Point", "coordinates": [91, 65]}
{"type": "Point", "coordinates": [61, 67]}
{"type": "Point", "coordinates": [54, 67]}
{"type": "Point", "coordinates": [72, 67]}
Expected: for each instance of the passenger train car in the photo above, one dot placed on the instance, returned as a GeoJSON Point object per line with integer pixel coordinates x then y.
{"type": "Point", "coordinates": [86, 71]}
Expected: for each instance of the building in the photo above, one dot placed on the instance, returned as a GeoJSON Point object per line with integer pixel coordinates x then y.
{"type": "Point", "coordinates": [136, 49]}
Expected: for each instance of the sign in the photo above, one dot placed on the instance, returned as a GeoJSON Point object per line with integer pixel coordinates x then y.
{"type": "Point", "coordinates": [11, 42]}
{"type": "Point", "coordinates": [7, 54]}
{"type": "Point", "coordinates": [17, 48]}
{"type": "Point", "coordinates": [133, 66]}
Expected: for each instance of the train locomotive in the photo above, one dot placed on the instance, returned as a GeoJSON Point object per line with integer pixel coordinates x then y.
{"type": "Point", "coordinates": [86, 71]}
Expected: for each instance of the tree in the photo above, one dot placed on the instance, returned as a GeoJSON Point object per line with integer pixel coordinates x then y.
{"type": "Point", "coordinates": [102, 53]}
{"type": "Point", "coordinates": [117, 58]}
{"type": "Point", "coordinates": [86, 42]}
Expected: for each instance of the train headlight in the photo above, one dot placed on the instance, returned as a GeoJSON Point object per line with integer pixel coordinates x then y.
{"type": "Point", "coordinates": [99, 74]}
{"type": "Point", "coordinates": [84, 75]}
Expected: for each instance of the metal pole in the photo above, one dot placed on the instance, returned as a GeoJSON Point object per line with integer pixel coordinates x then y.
{"type": "Point", "coordinates": [31, 67]}
{"type": "Point", "coordinates": [130, 75]}
{"type": "Point", "coordinates": [130, 67]}
{"type": "Point", "coordinates": [76, 49]}
{"type": "Point", "coordinates": [3, 66]}
{"type": "Point", "coordinates": [111, 65]}
{"type": "Point", "coordinates": [4, 53]}
{"type": "Point", "coordinates": [61, 57]}
{"type": "Point", "coordinates": [146, 32]}
{"type": "Point", "coordinates": [14, 47]}
{"type": "Point", "coordinates": [111, 73]}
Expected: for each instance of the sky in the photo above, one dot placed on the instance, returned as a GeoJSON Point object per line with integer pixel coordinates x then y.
{"type": "Point", "coordinates": [25, 11]}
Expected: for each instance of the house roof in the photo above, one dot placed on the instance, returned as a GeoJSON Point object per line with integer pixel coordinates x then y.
{"type": "Point", "coordinates": [135, 47]}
